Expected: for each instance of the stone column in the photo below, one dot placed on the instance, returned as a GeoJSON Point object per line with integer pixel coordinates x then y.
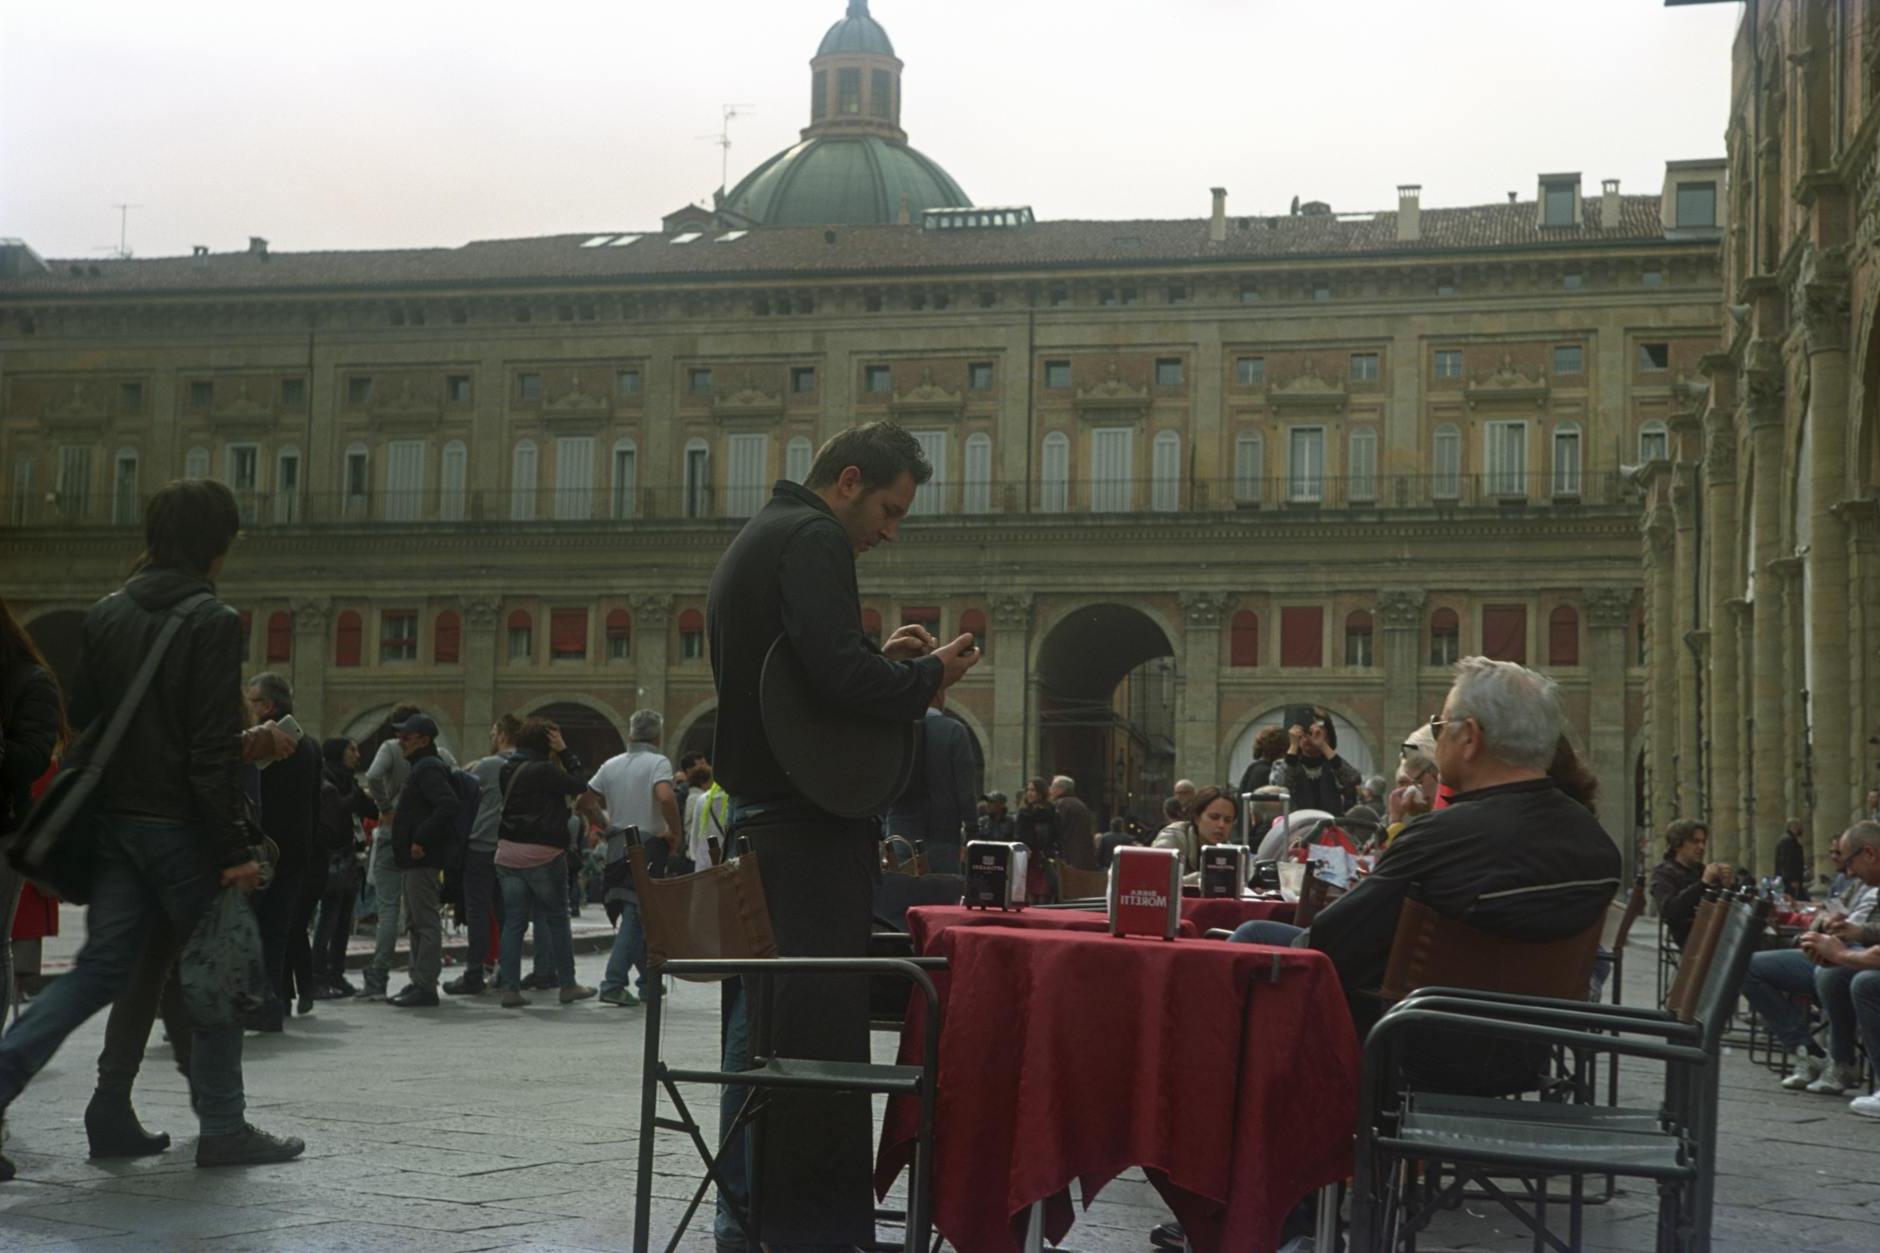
{"type": "Point", "coordinates": [1797, 781]}
{"type": "Point", "coordinates": [1736, 773]}
{"type": "Point", "coordinates": [1198, 739]}
{"type": "Point", "coordinates": [1009, 615]}
{"type": "Point", "coordinates": [311, 649]}
{"type": "Point", "coordinates": [1400, 613]}
{"type": "Point", "coordinates": [1765, 727]}
{"type": "Point", "coordinates": [1687, 799]}
{"type": "Point", "coordinates": [652, 630]}
{"type": "Point", "coordinates": [1662, 765]}
{"type": "Point", "coordinates": [482, 622]}
{"type": "Point", "coordinates": [1609, 624]}
{"type": "Point", "coordinates": [1723, 706]}
{"type": "Point", "coordinates": [1824, 326]}
{"type": "Point", "coordinates": [1860, 519]}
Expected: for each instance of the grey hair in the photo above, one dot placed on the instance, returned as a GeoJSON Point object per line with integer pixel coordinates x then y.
{"type": "Point", "coordinates": [275, 690]}
{"type": "Point", "coordinates": [1067, 783]}
{"type": "Point", "coordinates": [645, 726]}
{"type": "Point", "coordinates": [1517, 708]}
{"type": "Point", "coordinates": [1863, 834]}
{"type": "Point", "coordinates": [1376, 785]}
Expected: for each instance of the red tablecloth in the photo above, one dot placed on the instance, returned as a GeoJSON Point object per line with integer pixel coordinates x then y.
{"type": "Point", "coordinates": [924, 922]}
{"type": "Point", "coordinates": [1070, 1056]}
{"type": "Point", "coordinates": [1227, 913]}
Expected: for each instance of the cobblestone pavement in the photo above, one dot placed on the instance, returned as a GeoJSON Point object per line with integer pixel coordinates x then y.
{"type": "Point", "coordinates": [469, 1127]}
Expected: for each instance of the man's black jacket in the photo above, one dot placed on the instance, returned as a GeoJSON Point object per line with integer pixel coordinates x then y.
{"type": "Point", "coordinates": [938, 803]}
{"type": "Point", "coordinates": [181, 760]}
{"type": "Point", "coordinates": [791, 572]}
{"type": "Point", "coordinates": [1677, 889]}
{"type": "Point", "coordinates": [290, 803]}
{"type": "Point", "coordinates": [1521, 860]}
{"type": "Point", "coordinates": [426, 814]}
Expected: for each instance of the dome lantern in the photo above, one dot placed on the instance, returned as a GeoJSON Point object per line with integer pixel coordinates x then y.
{"type": "Point", "coordinates": [855, 80]}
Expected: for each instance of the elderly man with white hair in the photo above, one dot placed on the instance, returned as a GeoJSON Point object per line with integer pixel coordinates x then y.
{"type": "Point", "coordinates": [1511, 854]}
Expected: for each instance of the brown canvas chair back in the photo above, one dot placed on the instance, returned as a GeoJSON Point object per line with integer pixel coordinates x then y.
{"type": "Point", "coordinates": [1080, 885]}
{"type": "Point", "coordinates": [1430, 950]}
{"type": "Point", "coordinates": [717, 914]}
{"type": "Point", "coordinates": [1619, 918]}
{"type": "Point", "coordinates": [1699, 947]}
{"type": "Point", "coordinates": [1314, 895]}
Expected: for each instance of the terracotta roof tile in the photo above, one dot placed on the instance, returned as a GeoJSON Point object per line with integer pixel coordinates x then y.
{"type": "Point", "coordinates": [794, 253]}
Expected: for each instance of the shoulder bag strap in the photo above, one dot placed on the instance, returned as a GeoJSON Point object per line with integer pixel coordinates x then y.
{"type": "Point", "coordinates": [140, 684]}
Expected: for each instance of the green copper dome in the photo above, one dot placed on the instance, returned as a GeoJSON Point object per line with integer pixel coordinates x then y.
{"type": "Point", "coordinates": [858, 32]}
{"type": "Point", "coordinates": [843, 180]}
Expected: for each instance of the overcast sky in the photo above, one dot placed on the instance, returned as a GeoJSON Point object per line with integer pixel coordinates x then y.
{"type": "Point", "coordinates": [401, 123]}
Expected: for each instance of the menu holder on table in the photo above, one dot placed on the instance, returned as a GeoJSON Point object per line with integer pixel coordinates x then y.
{"type": "Point", "coordinates": [995, 875]}
{"type": "Point", "coordinates": [1146, 892]}
{"type": "Point", "coordinates": [1225, 869]}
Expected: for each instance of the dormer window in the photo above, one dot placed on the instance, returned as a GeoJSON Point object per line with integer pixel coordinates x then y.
{"type": "Point", "coordinates": [1697, 205]}
{"type": "Point", "coordinates": [1557, 203]}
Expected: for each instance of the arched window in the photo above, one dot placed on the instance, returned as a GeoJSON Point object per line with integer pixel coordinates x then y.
{"type": "Point", "coordinates": [522, 481]}
{"type": "Point", "coordinates": [798, 456]}
{"type": "Point", "coordinates": [1165, 469]}
{"type": "Point", "coordinates": [973, 622]}
{"type": "Point", "coordinates": [356, 481]}
{"type": "Point", "coordinates": [625, 483]}
{"type": "Point", "coordinates": [1361, 468]}
{"type": "Point", "coordinates": [1654, 443]}
{"type": "Point", "coordinates": [619, 635]}
{"type": "Point", "coordinates": [287, 485]}
{"type": "Point", "coordinates": [1243, 639]}
{"type": "Point", "coordinates": [1563, 636]}
{"type": "Point", "coordinates": [1249, 467]}
{"type": "Point", "coordinates": [447, 638]}
{"type": "Point", "coordinates": [521, 636]}
{"type": "Point", "coordinates": [1054, 474]}
{"type": "Point", "coordinates": [698, 479]}
{"type": "Point", "coordinates": [871, 624]}
{"type": "Point", "coordinates": [1358, 640]}
{"type": "Point", "coordinates": [196, 463]}
{"type": "Point", "coordinates": [1446, 463]}
{"type": "Point", "coordinates": [280, 637]}
{"type": "Point", "coordinates": [124, 504]}
{"type": "Point", "coordinates": [573, 500]}
{"type": "Point", "coordinates": [1445, 637]}
{"type": "Point", "coordinates": [976, 480]}
{"type": "Point", "coordinates": [691, 635]}
{"type": "Point", "coordinates": [348, 639]}
{"type": "Point", "coordinates": [931, 497]}
{"type": "Point", "coordinates": [1566, 478]}
{"type": "Point", "coordinates": [453, 482]}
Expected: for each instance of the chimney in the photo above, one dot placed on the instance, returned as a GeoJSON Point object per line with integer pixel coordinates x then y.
{"type": "Point", "coordinates": [1217, 224]}
{"type": "Point", "coordinates": [906, 215]}
{"type": "Point", "coordinates": [1409, 211]}
{"type": "Point", "coordinates": [1511, 196]}
{"type": "Point", "coordinates": [258, 247]}
{"type": "Point", "coordinates": [1609, 205]}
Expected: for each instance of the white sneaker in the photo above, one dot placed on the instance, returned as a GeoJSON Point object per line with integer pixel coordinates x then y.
{"type": "Point", "coordinates": [1835, 1080]}
{"type": "Point", "coordinates": [1865, 1106]}
{"type": "Point", "coordinates": [1805, 1068]}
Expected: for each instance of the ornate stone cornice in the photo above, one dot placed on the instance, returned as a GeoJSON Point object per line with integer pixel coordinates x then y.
{"type": "Point", "coordinates": [1507, 385]}
{"type": "Point", "coordinates": [311, 614]}
{"type": "Point", "coordinates": [1720, 454]}
{"type": "Point", "coordinates": [482, 612]}
{"type": "Point", "coordinates": [1401, 608]}
{"type": "Point", "coordinates": [1740, 609]}
{"type": "Point", "coordinates": [577, 402]}
{"type": "Point", "coordinates": [1861, 517]}
{"type": "Point", "coordinates": [747, 400]}
{"type": "Point", "coordinates": [1112, 395]}
{"type": "Point", "coordinates": [928, 400]}
{"type": "Point", "coordinates": [652, 609]}
{"type": "Point", "coordinates": [1308, 389]}
{"type": "Point", "coordinates": [1609, 606]}
{"type": "Point", "coordinates": [1009, 611]}
{"type": "Point", "coordinates": [1204, 609]}
{"type": "Point", "coordinates": [1699, 644]}
{"type": "Point", "coordinates": [1762, 383]}
{"type": "Point", "coordinates": [1787, 572]}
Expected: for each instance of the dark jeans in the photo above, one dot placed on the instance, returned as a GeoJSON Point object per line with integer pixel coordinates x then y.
{"type": "Point", "coordinates": [153, 987]}
{"type": "Point", "coordinates": [144, 870]}
{"type": "Point", "coordinates": [545, 887]}
{"type": "Point", "coordinates": [332, 932]}
{"type": "Point", "coordinates": [480, 903]}
{"type": "Point", "coordinates": [299, 977]}
{"type": "Point", "coordinates": [275, 906]}
{"type": "Point", "coordinates": [819, 884]}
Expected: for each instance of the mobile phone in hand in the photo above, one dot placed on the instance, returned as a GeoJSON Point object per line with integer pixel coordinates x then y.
{"type": "Point", "coordinates": [289, 724]}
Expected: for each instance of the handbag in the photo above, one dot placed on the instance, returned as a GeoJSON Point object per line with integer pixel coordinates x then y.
{"type": "Point", "coordinates": [718, 913]}
{"type": "Point", "coordinates": [223, 977]}
{"type": "Point", "coordinates": [56, 843]}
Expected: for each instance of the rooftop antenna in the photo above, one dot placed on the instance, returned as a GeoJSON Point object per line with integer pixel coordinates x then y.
{"type": "Point", "coordinates": [125, 209]}
{"type": "Point", "coordinates": [723, 139]}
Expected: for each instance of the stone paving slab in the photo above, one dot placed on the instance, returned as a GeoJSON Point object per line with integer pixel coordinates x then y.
{"type": "Point", "coordinates": [469, 1127]}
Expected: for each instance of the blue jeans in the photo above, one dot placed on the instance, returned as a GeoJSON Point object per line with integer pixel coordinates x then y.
{"type": "Point", "coordinates": [1772, 983]}
{"type": "Point", "coordinates": [629, 952]}
{"type": "Point", "coordinates": [734, 1167]}
{"type": "Point", "coordinates": [545, 886]}
{"type": "Point", "coordinates": [144, 868]}
{"type": "Point", "coordinates": [1277, 934]}
{"type": "Point", "coordinates": [1840, 990]}
{"type": "Point", "coordinates": [388, 884]}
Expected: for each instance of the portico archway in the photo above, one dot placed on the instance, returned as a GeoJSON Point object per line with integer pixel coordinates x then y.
{"type": "Point", "coordinates": [1106, 688]}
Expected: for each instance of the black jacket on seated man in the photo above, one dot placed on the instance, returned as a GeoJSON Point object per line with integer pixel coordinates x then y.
{"type": "Point", "coordinates": [1521, 860]}
{"type": "Point", "coordinates": [426, 814]}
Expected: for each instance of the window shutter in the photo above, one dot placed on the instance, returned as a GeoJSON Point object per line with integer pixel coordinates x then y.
{"type": "Point", "coordinates": [348, 640]}
{"type": "Point", "coordinates": [1302, 637]}
{"type": "Point", "coordinates": [1504, 632]}
{"type": "Point", "coordinates": [567, 633]}
{"type": "Point", "coordinates": [280, 636]}
{"type": "Point", "coordinates": [1055, 473]}
{"type": "Point", "coordinates": [1563, 637]}
{"type": "Point", "coordinates": [1244, 639]}
{"type": "Point", "coordinates": [744, 485]}
{"type": "Point", "coordinates": [977, 496]}
{"type": "Point", "coordinates": [404, 480]}
{"type": "Point", "coordinates": [1167, 473]}
{"type": "Point", "coordinates": [447, 638]}
{"type": "Point", "coordinates": [1249, 468]}
{"type": "Point", "coordinates": [973, 623]}
{"type": "Point", "coordinates": [574, 478]}
{"type": "Point", "coordinates": [931, 496]}
{"type": "Point", "coordinates": [1110, 478]}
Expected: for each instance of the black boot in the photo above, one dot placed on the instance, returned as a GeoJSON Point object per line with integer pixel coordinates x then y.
{"type": "Point", "coordinates": [112, 1127]}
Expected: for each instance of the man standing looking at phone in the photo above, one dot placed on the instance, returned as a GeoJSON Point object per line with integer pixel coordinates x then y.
{"type": "Point", "coordinates": [791, 574]}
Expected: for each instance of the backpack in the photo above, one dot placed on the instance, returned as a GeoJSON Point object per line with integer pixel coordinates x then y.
{"type": "Point", "coordinates": [469, 791]}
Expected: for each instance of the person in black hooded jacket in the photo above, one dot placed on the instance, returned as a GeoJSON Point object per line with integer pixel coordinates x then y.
{"type": "Point", "coordinates": [342, 803]}
{"type": "Point", "coordinates": [170, 835]}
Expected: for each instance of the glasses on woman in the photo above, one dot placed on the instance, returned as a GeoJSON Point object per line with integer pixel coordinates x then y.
{"type": "Point", "coordinates": [1437, 723]}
